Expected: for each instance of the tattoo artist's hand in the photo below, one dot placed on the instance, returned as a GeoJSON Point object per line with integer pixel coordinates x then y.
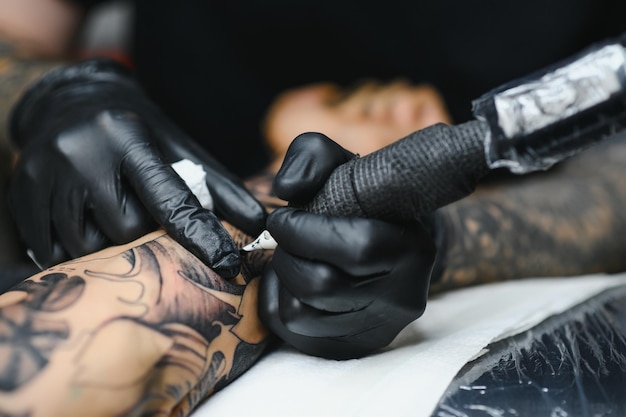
{"type": "Point", "coordinates": [94, 170]}
{"type": "Point", "coordinates": [339, 287]}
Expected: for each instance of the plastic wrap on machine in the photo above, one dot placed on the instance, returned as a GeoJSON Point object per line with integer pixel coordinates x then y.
{"type": "Point", "coordinates": [541, 119]}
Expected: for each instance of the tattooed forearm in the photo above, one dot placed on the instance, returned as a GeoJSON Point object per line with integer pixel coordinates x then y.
{"type": "Point", "coordinates": [16, 73]}
{"type": "Point", "coordinates": [567, 221]}
{"type": "Point", "coordinates": [141, 329]}
{"type": "Point", "coordinates": [146, 329]}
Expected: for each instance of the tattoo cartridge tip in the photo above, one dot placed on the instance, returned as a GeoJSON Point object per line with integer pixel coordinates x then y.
{"type": "Point", "coordinates": [264, 241]}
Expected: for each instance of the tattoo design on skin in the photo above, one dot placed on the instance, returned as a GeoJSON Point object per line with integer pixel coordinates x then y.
{"type": "Point", "coordinates": [146, 329]}
{"type": "Point", "coordinates": [139, 330]}
{"type": "Point", "coordinates": [567, 221]}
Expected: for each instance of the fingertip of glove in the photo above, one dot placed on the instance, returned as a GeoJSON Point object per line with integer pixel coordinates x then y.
{"type": "Point", "coordinates": [228, 266]}
{"type": "Point", "coordinates": [278, 217]}
{"type": "Point", "coordinates": [257, 222]}
{"type": "Point", "coordinates": [307, 141]}
{"type": "Point", "coordinates": [268, 305]}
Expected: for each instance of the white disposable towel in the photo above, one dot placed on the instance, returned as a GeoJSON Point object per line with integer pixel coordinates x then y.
{"type": "Point", "coordinates": [195, 178]}
{"type": "Point", "coordinates": [409, 377]}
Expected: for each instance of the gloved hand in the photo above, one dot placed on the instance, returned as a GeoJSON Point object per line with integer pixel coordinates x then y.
{"type": "Point", "coordinates": [339, 287]}
{"type": "Point", "coordinates": [94, 170]}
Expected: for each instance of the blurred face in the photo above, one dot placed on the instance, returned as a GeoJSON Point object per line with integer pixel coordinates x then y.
{"type": "Point", "coordinates": [362, 119]}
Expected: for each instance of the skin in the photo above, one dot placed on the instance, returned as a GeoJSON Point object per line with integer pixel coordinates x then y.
{"type": "Point", "coordinates": [145, 328]}
{"type": "Point", "coordinates": [138, 329]}
{"type": "Point", "coordinates": [194, 333]}
{"type": "Point", "coordinates": [362, 120]}
{"type": "Point", "coordinates": [567, 221]}
{"type": "Point", "coordinates": [43, 28]}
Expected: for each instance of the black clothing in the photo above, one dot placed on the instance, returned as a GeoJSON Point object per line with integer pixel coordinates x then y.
{"type": "Point", "coordinates": [214, 67]}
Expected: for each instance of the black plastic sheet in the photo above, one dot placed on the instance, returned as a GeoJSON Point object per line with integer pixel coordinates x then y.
{"type": "Point", "coordinates": [570, 365]}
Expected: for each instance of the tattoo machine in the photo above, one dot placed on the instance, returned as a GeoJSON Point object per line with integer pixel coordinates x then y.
{"type": "Point", "coordinates": [526, 125]}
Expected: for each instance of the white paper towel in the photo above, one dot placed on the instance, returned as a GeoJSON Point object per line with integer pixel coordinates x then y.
{"type": "Point", "coordinates": [195, 178]}
{"type": "Point", "coordinates": [409, 378]}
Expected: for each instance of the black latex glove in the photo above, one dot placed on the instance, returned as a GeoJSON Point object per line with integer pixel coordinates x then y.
{"type": "Point", "coordinates": [339, 287]}
{"type": "Point", "coordinates": [94, 170]}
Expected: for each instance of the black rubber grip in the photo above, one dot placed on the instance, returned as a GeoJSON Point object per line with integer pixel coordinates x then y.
{"type": "Point", "coordinates": [426, 170]}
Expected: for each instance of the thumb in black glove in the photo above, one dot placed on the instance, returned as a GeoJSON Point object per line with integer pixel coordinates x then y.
{"type": "Point", "coordinates": [94, 170]}
{"type": "Point", "coordinates": [339, 287]}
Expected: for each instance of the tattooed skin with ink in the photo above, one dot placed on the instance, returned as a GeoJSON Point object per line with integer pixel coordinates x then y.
{"type": "Point", "coordinates": [147, 329]}
{"type": "Point", "coordinates": [567, 221]}
{"type": "Point", "coordinates": [140, 329]}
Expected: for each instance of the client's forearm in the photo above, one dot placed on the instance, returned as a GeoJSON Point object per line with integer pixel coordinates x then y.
{"type": "Point", "coordinates": [140, 329]}
{"type": "Point", "coordinates": [568, 221]}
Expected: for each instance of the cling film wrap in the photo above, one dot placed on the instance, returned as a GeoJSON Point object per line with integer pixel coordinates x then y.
{"type": "Point", "coordinates": [570, 365]}
{"type": "Point", "coordinates": [539, 120]}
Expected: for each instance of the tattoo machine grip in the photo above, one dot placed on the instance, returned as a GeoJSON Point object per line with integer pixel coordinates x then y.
{"type": "Point", "coordinates": [414, 176]}
{"type": "Point", "coordinates": [526, 125]}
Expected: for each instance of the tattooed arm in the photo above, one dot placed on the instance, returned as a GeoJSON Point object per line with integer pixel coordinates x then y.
{"type": "Point", "coordinates": [140, 329]}
{"type": "Point", "coordinates": [567, 221]}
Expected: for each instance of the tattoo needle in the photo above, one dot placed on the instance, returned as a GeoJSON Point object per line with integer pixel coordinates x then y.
{"type": "Point", "coordinates": [264, 241]}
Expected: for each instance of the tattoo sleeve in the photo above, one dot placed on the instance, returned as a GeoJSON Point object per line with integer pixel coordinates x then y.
{"type": "Point", "coordinates": [147, 329]}
{"type": "Point", "coordinates": [570, 220]}
{"type": "Point", "coordinates": [16, 73]}
{"type": "Point", "coordinates": [140, 329]}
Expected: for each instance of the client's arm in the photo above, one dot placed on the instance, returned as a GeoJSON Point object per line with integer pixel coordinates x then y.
{"type": "Point", "coordinates": [139, 329]}
{"type": "Point", "coordinates": [570, 220]}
